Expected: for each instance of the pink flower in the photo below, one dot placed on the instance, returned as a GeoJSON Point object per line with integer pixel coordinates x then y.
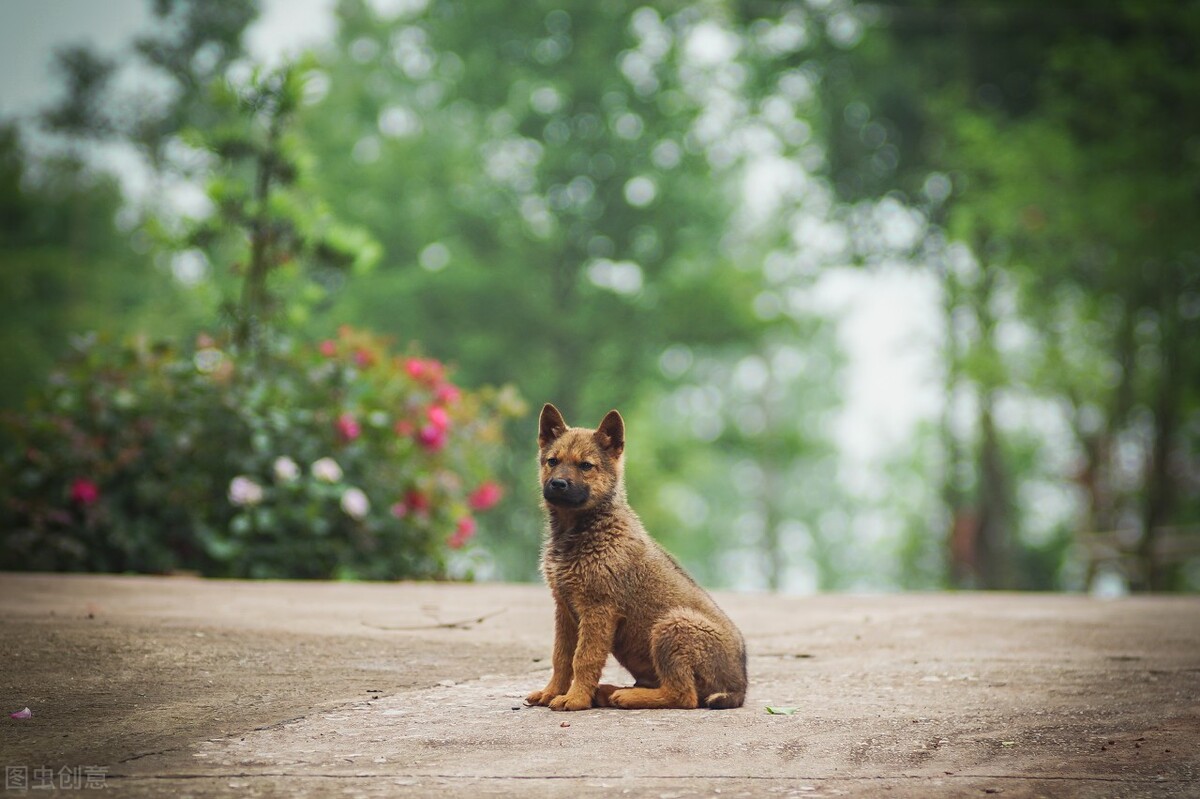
{"type": "Point", "coordinates": [431, 438]}
{"type": "Point", "coordinates": [434, 371]}
{"type": "Point", "coordinates": [447, 394]}
{"type": "Point", "coordinates": [438, 417]}
{"type": "Point", "coordinates": [416, 500]}
{"type": "Point", "coordinates": [484, 497]}
{"type": "Point", "coordinates": [462, 532]}
{"type": "Point", "coordinates": [328, 348]}
{"type": "Point", "coordinates": [363, 359]}
{"type": "Point", "coordinates": [348, 427]}
{"type": "Point", "coordinates": [84, 492]}
{"type": "Point", "coordinates": [427, 370]}
{"type": "Point", "coordinates": [399, 510]}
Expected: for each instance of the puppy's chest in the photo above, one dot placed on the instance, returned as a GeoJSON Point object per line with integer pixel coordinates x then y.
{"type": "Point", "coordinates": [583, 580]}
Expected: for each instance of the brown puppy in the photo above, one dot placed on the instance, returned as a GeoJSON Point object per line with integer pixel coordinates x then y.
{"type": "Point", "coordinates": [616, 590]}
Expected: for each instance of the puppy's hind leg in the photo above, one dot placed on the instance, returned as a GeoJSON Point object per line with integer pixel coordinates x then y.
{"type": "Point", "coordinates": [679, 646]}
{"type": "Point", "coordinates": [603, 696]}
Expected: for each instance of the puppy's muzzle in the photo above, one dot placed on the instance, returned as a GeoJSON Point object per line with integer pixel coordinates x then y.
{"type": "Point", "coordinates": [560, 491]}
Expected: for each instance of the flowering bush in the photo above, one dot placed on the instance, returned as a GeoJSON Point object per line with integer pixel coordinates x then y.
{"type": "Point", "coordinates": [340, 460]}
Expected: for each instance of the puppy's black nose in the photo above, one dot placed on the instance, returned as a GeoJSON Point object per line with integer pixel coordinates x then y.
{"type": "Point", "coordinates": [558, 484]}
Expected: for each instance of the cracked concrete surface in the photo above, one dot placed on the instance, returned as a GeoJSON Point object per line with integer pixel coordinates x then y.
{"type": "Point", "coordinates": [214, 688]}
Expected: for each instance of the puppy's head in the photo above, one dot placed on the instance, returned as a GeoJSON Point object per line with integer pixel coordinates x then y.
{"type": "Point", "coordinates": [580, 468]}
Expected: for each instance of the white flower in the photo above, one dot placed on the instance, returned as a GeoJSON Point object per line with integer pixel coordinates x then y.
{"type": "Point", "coordinates": [244, 491]}
{"type": "Point", "coordinates": [286, 469]}
{"type": "Point", "coordinates": [327, 469]}
{"type": "Point", "coordinates": [355, 503]}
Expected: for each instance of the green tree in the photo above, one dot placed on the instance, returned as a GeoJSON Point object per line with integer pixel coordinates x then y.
{"type": "Point", "coordinates": [68, 267]}
{"type": "Point", "coordinates": [541, 198]}
{"type": "Point", "coordinates": [1053, 143]}
{"type": "Point", "coordinates": [285, 246]}
{"type": "Point", "coordinates": [534, 188]}
{"type": "Point", "coordinates": [71, 267]}
{"type": "Point", "coordinates": [191, 44]}
{"type": "Point", "coordinates": [579, 200]}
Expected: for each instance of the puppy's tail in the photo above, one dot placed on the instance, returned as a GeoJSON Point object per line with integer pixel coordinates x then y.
{"type": "Point", "coordinates": [725, 700]}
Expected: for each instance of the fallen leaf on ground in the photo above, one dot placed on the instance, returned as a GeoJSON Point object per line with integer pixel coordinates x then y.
{"type": "Point", "coordinates": [781, 711]}
{"type": "Point", "coordinates": [21, 714]}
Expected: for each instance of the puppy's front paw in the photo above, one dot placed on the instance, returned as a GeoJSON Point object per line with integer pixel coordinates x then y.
{"type": "Point", "coordinates": [544, 696]}
{"type": "Point", "coordinates": [570, 701]}
{"type": "Point", "coordinates": [541, 697]}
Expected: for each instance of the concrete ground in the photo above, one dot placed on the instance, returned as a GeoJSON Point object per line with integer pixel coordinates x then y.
{"type": "Point", "coordinates": [176, 686]}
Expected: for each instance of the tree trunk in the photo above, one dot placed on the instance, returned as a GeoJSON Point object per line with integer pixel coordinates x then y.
{"type": "Point", "coordinates": [959, 521]}
{"type": "Point", "coordinates": [994, 530]}
{"type": "Point", "coordinates": [981, 536]}
{"type": "Point", "coordinates": [1157, 488]}
{"type": "Point", "coordinates": [1096, 475]}
{"type": "Point", "coordinates": [772, 551]}
{"type": "Point", "coordinates": [254, 288]}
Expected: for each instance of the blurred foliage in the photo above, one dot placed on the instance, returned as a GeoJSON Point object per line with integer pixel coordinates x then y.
{"type": "Point", "coordinates": [1060, 146]}
{"type": "Point", "coordinates": [554, 213]}
{"type": "Point", "coordinates": [638, 205]}
{"type": "Point", "coordinates": [340, 461]}
{"type": "Point", "coordinates": [566, 193]}
{"type": "Point", "coordinates": [269, 220]}
{"type": "Point", "coordinates": [67, 266]}
{"type": "Point", "coordinates": [248, 458]}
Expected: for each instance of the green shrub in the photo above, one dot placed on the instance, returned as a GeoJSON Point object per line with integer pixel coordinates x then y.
{"type": "Point", "coordinates": [341, 460]}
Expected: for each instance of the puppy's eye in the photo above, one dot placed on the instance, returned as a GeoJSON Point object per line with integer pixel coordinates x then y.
{"type": "Point", "coordinates": [585, 466]}
{"type": "Point", "coordinates": [551, 461]}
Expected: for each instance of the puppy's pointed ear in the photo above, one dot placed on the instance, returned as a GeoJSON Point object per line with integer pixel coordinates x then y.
{"type": "Point", "coordinates": [550, 426]}
{"type": "Point", "coordinates": [611, 434]}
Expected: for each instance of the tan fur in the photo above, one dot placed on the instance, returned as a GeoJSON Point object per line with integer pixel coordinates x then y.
{"type": "Point", "coordinates": [616, 590]}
